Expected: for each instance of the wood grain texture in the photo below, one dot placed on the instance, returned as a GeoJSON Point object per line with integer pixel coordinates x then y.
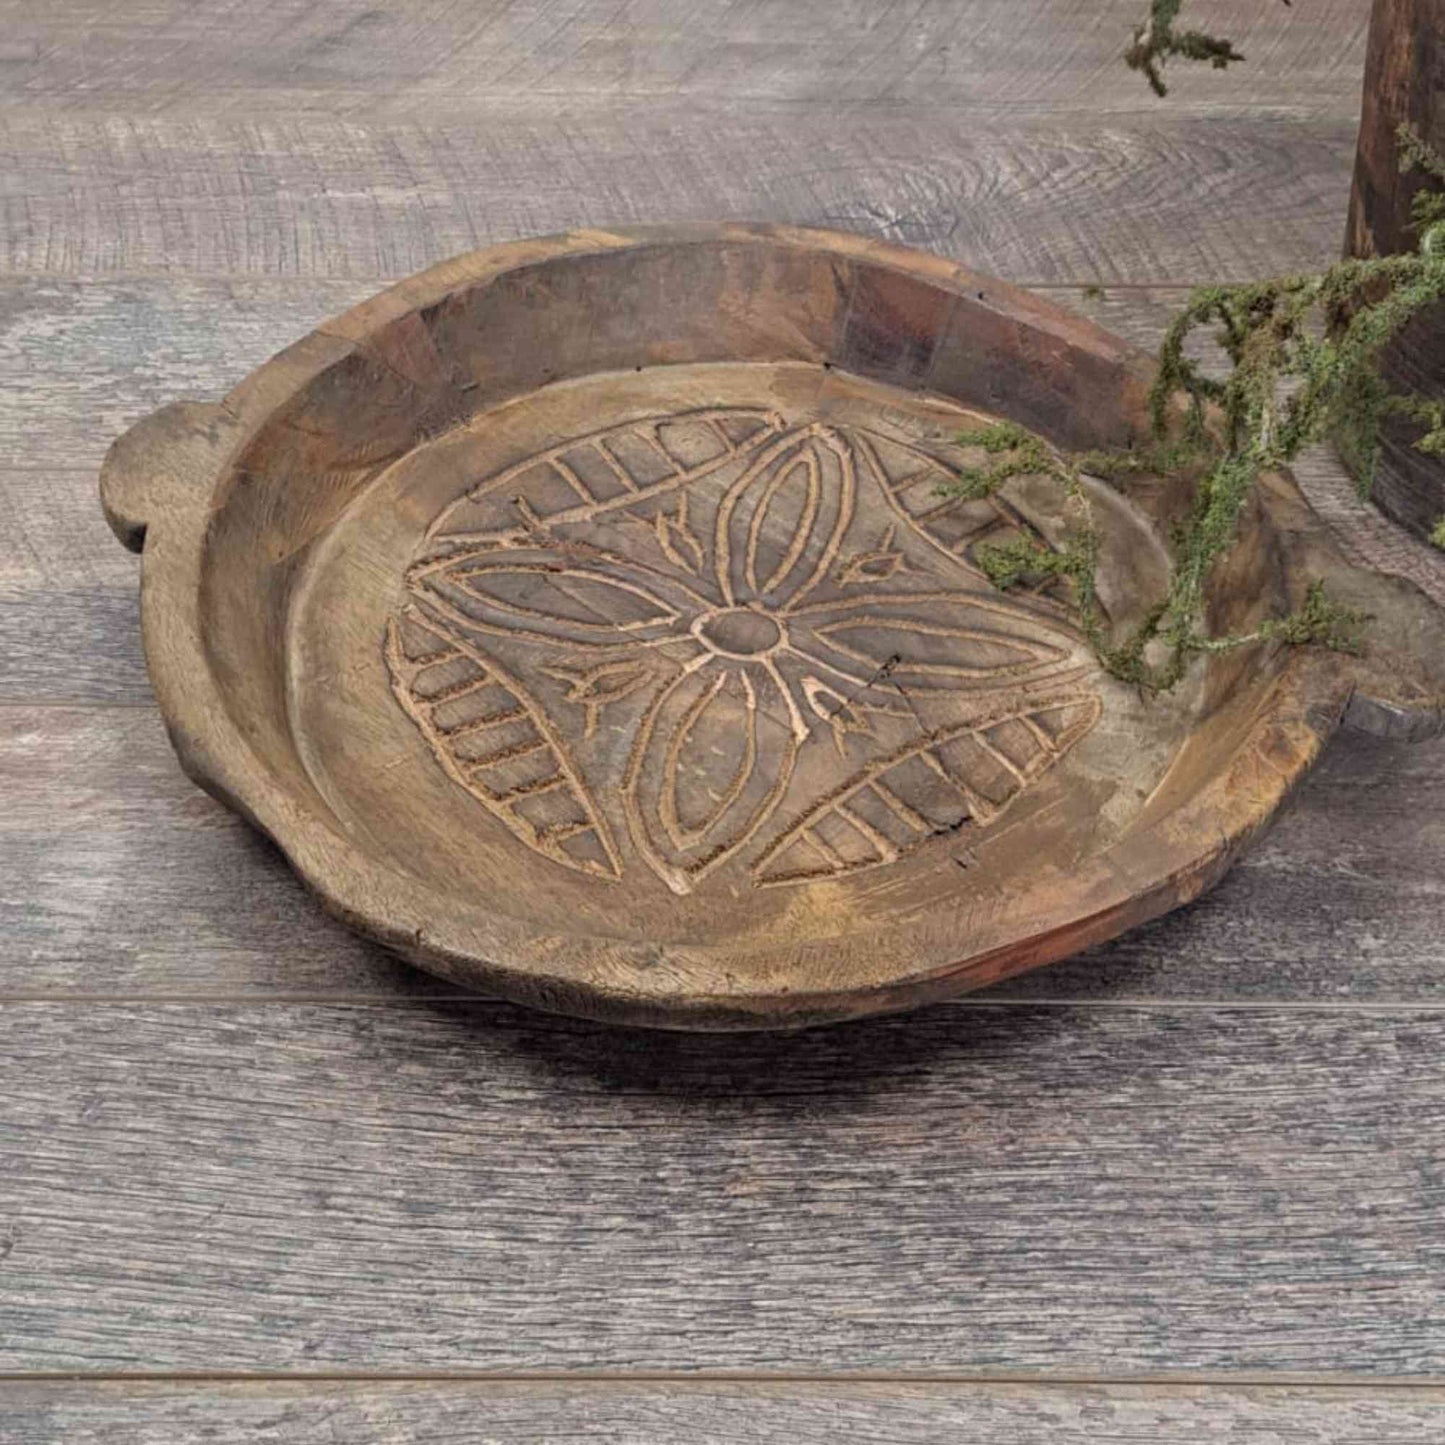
{"type": "Point", "coordinates": [1165, 197]}
{"type": "Point", "coordinates": [79, 363]}
{"type": "Point", "coordinates": [426, 56]}
{"type": "Point", "coordinates": [119, 878]}
{"type": "Point", "coordinates": [466, 1187]}
{"type": "Point", "coordinates": [234, 915]}
{"type": "Point", "coordinates": [714, 1414]}
{"type": "Point", "coordinates": [82, 360]}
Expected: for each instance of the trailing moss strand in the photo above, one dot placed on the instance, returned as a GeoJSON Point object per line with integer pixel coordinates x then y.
{"type": "Point", "coordinates": [1303, 355]}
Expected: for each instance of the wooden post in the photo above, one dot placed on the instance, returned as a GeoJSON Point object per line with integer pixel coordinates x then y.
{"type": "Point", "coordinates": [1404, 81]}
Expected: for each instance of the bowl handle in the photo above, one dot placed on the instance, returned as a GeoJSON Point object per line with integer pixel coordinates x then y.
{"type": "Point", "coordinates": [164, 463]}
{"type": "Point", "coordinates": [1399, 678]}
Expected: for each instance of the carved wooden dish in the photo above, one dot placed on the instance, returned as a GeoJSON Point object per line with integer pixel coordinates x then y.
{"type": "Point", "coordinates": [583, 619]}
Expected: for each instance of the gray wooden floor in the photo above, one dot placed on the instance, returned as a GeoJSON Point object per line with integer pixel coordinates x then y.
{"type": "Point", "coordinates": [260, 1182]}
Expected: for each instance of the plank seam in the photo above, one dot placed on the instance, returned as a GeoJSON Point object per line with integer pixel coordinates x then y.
{"type": "Point", "coordinates": [1164, 1380]}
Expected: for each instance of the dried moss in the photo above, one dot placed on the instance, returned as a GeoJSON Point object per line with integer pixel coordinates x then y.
{"type": "Point", "coordinates": [1156, 41]}
{"type": "Point", "coordinates": [1303, 365]}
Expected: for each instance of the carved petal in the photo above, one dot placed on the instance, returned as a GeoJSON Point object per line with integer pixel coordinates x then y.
{"type": "Point", "coordinates": [933, 640]}
{"type": "Point", "coordinates": [781, 523]}
{"type": "Point", "coordinates": [712, 758]}
{"type": "Point", "coordinates": [548, 594]}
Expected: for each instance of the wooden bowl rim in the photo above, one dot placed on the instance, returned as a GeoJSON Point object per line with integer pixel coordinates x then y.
{"type": "Point", "coordinates": [1146, 872]}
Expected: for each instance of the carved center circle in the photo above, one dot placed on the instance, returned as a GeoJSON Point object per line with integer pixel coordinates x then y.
{"type": "Point", "coordinates": [738, 632]}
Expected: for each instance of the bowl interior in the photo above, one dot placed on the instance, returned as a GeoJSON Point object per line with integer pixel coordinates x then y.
{"type": "Point", "coordinates": [615, 595]}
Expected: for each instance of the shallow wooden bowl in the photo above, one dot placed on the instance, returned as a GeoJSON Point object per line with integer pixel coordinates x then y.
{"type": "Point", "coordinates": [583, 619]}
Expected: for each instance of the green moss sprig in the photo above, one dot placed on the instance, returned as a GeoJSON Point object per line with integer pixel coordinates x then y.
{"type": "Point", "coordinates": [1156, 40]}
{"type": "Point", "coordinates": [1303, 365]}
{"type": "Point", "coordinates": [1155, 654]}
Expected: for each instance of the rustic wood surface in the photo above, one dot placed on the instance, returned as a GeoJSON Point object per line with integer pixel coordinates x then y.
{"type": "Point", "coordinates": [1036, 197]}
{"type": "Point", "coordinates": [435, 1186]}
{"type": "Point", "coordinates": [350, 56]}
{"type": "Point", "coordinates": [602, 1413]}
{"type": "Point", "coordinates": [1214, 1147]}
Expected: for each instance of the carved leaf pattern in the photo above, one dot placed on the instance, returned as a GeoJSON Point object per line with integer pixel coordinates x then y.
{"type": "Point", "coordinates": [698, 583]}
{"type": "Point", "coordinates": [966, 773]}
{"type": "Point", "coordinates": [493, 739]}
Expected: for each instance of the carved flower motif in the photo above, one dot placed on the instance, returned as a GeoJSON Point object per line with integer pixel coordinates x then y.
{"type": "Point", "coordinates": [731, 624]}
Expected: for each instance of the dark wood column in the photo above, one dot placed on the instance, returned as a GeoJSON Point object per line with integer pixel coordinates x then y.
{"type": "Point", "coordinates": [1404, 81]}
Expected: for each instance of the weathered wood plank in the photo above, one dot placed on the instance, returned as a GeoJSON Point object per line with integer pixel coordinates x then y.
{"type": "Point", "coordinates": [465, 1187]}
{"type": "Point", "coordinates": [120, 878]}
{"type": "Point", "coordinates": [150, 885]}
{"type": "Point", "coordinates": [715, 1414]}
{"type": "Point", "coordinates": [82, 360]}
{"type": "Point", "coordinates": [79, 362]}
{"type": "Point", "coordinates": [1033, 197]}
{"type": "Point", "coordinates": [424, 57]}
